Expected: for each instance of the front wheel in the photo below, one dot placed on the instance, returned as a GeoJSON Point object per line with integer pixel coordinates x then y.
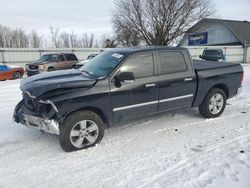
{"type": "Point", "coordinates": [17, 75]}
{"type": "Point", "coordinates": [81, 130]}
{"type": "Point", "coordinates": [214, 103]}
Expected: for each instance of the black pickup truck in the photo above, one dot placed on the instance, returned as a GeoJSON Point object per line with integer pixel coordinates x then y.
{"type": "Point", "coordinates": [120, 85]}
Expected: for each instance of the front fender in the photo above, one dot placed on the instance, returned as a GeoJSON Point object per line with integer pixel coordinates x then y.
{"type": "Point", "coordinates": [99, 103]}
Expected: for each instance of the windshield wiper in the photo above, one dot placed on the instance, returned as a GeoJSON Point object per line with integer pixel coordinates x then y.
{"type": "Point", "coordinates": [87, 72]}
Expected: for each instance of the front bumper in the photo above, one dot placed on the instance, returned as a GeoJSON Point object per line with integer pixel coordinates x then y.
{"type": "Point", "coordinates": [31, 72]}
{"type": "Point", "coordinates": [46, 125]}
{"type": "Point", "coordinates": [23, 116]}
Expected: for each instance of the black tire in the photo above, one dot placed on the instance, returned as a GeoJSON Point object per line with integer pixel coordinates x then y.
{"type": "Point", "coordinates": [71, 124]}
{"type": "Point", "coordinates": [51, 69]}
{"type": "Point", "coordinates": [206, 109]}
{"type": "Point", "coordinates": [17, 75]}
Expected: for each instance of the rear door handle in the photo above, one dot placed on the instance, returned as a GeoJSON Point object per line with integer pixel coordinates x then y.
{"type": "Point", "coordinates": [188, 79]}
{"type": "Point", "coordinates": [150, 85]}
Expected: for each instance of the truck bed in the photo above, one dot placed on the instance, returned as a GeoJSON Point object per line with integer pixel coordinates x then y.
{"type": "Point", "coordinates": [210, 74]}
{"type": "Point", "coordinates": [206, 65]}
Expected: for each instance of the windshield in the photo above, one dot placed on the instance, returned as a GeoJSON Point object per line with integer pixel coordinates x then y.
{"type": "Point", "coordinates": [103, 64]}
{"type": "Point", "coordinates": [49, 57]}
{"type": "Point", "coordinates": [212, 53]}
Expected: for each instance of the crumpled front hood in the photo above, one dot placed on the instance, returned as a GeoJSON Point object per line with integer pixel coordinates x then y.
{"type": "Point", "coordinates": [42, 83]}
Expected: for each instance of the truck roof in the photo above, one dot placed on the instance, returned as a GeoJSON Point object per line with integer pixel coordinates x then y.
{"type": "Point", "coordinates": [142, 49]}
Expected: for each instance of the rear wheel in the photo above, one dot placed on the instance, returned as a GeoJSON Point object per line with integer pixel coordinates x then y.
{"type": "Point", "coordinates": [81, 130]}
{"type": "Point", "coordinates": [17, 75]}
{"type": "Point", "coordinates": [213, 104]}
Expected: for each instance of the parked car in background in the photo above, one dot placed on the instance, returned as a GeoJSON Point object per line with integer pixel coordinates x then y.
{"type": "Point", "coordinates": [213, 55]}
{"type": "Point", "coordinates": [123, 84]}
{"type": "Point", "coordinates": [9, 73]}
{"type": "Point", "coordinates": [81, 63]}
{"type": "Point", "coordinates": [51, 62]}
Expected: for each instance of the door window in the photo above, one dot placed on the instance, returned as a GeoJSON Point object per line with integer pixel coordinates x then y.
{"type": "Point", "coordinates": [71, 57]}
{"type": "Point", "coordinates": [171, 62]}
{"type": "Point", "coordinates": [60, 58]}
{"type": "Point", "coordinates": [142, 65]}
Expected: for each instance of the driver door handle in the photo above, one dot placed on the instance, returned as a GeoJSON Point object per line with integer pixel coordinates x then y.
{"type": "Point", "coordinates": [188, 79]}
{"type": "Point", "coordinates": [150, 85]}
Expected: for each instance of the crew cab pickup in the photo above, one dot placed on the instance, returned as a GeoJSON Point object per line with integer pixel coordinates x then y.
{"type": "Point", "coordinates": [122, 84]}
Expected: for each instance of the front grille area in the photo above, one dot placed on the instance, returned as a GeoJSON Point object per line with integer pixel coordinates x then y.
{"type": "Point", "coordinates": [31, 73]}
{"type": "Point", "coordinates": [36, 107]}
{"type": "Point", "coordinates": [29, 102]}
{"type": "Point", "coordinates": [33, 67]}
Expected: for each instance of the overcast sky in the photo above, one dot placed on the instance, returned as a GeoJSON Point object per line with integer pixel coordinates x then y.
{"type": "Point", "coordinates": [85, 16]}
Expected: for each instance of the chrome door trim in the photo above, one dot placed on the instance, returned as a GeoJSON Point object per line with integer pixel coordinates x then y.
{"type": "Point", "coordinates": [152, 102]}
{"type": "Point", "coordinates": [175, 98]}
{"type": "Point", "coordinates": [134, 106]}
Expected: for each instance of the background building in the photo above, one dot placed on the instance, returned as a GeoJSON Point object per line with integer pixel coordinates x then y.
{"type": "Point", "coordinates": [216, 32]}
{"type": "Point", "coordinates": [233, 37]}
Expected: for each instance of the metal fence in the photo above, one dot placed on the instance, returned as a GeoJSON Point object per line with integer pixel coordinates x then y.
{"type": "Point", "coordinates": [234, 54]}
{"type": "Point", "coordinates": [21, 56]}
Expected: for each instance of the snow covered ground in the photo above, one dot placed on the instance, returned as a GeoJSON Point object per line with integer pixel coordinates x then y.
{"type": "Point", "coordinates": [170, 150]}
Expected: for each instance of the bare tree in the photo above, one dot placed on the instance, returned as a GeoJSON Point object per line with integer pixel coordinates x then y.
{"type": "Point", "coordinates": [35, 40]}
{"type": "Point", "coordinates": [91, 40]}
{"type": "Point", "coordinates": [7, 35]}
{"type": "Point", "coordinates": [110, 43]}
{"type": "Point", "coordinates": [65, 40]}
{"type": "Point", "coordinates": [23, 39]}
{"type": "Point", "coordinates": [2, 45]}
{"type": "Point", "coordinates": [55, 36]}
{"type": "Point", "coordinates": [96, 45]}
{"type": "Point", "coordinates": [74, 40]}
{"type": "Point", "coordinates": [158, 22]}
{"type": "Point", "coordinates": [18, 38]}
{"type": "Point", "coordinates": [87, 41]}
{"type": "Point", "coordinates": [125, 34]}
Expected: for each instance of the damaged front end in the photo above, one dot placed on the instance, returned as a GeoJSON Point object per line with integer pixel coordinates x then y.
{"type": "Point", "coordinates": [38, 114]}
{"type": "Point", "coordinates": [41, 92]}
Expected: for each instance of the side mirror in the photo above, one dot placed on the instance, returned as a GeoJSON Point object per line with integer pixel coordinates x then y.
{"type": "Point", "coordinates": [200, 56]}
{"type": "Point", "coordinates": [126, 77]}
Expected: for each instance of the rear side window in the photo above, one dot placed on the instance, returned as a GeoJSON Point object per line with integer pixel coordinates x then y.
{"type": "Point", "coordinates": [171, 62]}
{"type": "Point", "coordinates": [71, 57]}
{"type": "Point", "coordinates": [141, 65]}
{"type": "Point", "coordinates": [61, 58]}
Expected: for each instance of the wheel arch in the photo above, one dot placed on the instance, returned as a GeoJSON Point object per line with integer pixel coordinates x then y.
{"type": "Point", "coordinates": [223, 87]}
{"type": "Point", "coordinates": [96, 110]}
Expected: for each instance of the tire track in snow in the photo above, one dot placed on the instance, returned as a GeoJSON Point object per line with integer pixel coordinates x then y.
{"type": "Point", "coordinates": [183, 163]}
{"type": "Point", "coordinates": [202, 122]}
